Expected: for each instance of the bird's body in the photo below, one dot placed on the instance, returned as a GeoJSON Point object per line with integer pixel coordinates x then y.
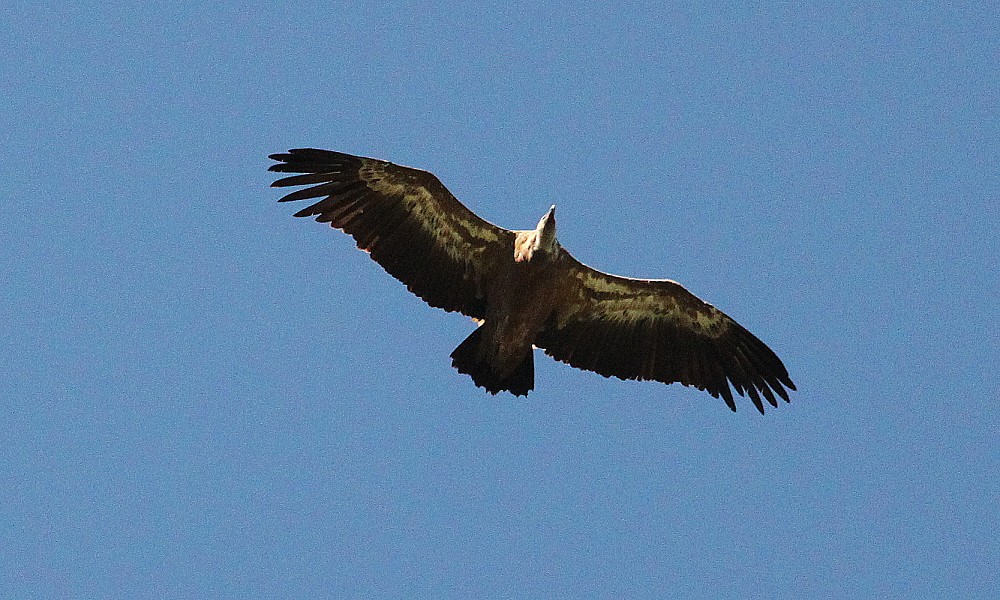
{"type": "Point", "coordinates": [522, 294]}
{"type": "Point", "coordinates": [526, 289]}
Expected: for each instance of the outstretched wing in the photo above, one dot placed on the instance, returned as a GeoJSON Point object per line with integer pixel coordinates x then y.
{"type": "Point", "coordinates": [406, 219]}
{"type": "Point", "coordinates": [656, 329]}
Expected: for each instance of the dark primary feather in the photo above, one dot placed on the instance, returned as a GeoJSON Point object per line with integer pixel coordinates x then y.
{"type": "Point", "coordinates": [405, 218]}
{"type": "Point", "coordinates": [657, 330]}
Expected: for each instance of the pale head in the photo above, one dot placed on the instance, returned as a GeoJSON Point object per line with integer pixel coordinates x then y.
{"type": "Point", "coordinates": [547, 231]}
{"type": "Point", "coordinates": [539, 242]}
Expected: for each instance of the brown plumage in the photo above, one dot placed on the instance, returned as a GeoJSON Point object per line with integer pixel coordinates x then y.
{"type": "Point", "coordinates": [526, 289]}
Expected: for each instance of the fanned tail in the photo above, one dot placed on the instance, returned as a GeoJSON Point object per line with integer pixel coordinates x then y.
{"type": "Point", "coordinates": [470, 359]}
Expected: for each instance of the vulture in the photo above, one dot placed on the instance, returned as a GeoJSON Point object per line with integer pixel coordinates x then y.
{"type": "Point", "coordinates": [525, 289]}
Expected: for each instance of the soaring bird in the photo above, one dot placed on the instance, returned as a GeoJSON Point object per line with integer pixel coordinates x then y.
{"type": "Point", "coordinates": [525, 289]}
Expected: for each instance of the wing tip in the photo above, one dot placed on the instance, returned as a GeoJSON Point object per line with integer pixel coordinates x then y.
{"type": "Point", "coordinates": [755, 398]}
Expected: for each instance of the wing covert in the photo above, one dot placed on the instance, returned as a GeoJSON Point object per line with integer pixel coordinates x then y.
{"type": "Point", "coordinates": [405, 218]}
{"type": "Point", "coordinates": [657, 330]}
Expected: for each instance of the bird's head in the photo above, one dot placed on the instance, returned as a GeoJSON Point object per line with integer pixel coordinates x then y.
{"type": "Point", "coordinates": [546, 232]}
{"type": "Point", "coordinates": [539, 243]}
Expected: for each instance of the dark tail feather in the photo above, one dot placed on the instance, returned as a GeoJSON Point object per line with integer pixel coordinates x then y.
{"type": "Point", "coordinates": [469, 360]}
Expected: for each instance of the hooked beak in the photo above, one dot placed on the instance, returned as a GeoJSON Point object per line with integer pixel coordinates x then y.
{"type": "Point", "coordinates": [550, 216]}
{"type": "Point", "coordinates": [547, 224]}
{"type": "Point", "coordinates": [548, 220]}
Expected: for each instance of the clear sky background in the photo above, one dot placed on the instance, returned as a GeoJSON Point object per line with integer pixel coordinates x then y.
{"type": "Point", "coordinates": [207, 398]}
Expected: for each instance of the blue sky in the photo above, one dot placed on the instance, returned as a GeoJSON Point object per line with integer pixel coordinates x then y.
{"type": "Point", "coordinates": [209, 398]}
